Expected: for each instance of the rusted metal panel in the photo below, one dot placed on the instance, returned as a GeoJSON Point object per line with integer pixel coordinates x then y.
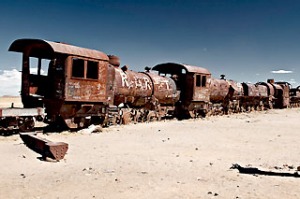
{"type": "Point", "coordinates": [295, 92]}
{"type": "Point", "coordinates": [295, 96]}
{"type": "Point", "coordinates": [238, 88]}
{"type": "Point", "coordinates": [250, 90]}
{"type": "Point", "coordinates": [164, 89]}
{"type": "Point", "coordinates": [132, 87]}
{"type": "Point", "coordinates": [201, 92]}
{"type": "Point", "coordinates": [285, 93]}
{"type": "Point", "coordinates": [47, 148]}
{"type": "Point", "coordinates": [85, 90]}
{"type": "Point", "coordinates": [278, 91]}
{"type": "Point", "coordinates": [262, 90]}
{"type": "Point", "coordinates": [196, 69]}
{"type": "Point", "coordinates": [269, 87]}
{"type": "Point", "coordinates": [44, 47]}
{"type": "Point", "coordinates": [219, 88]}
{"type": "Point", "coordinates": [88, 90]}
{"type": "Point", "coordinates": [114, 60]}
{"type": "Point", "coordinates": [177, 68]}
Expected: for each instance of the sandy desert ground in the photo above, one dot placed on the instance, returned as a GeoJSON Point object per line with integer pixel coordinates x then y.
{"type": "Point", "coordinates": [7, 101]}
{"type": "Point", "coordinates": [174, 159]}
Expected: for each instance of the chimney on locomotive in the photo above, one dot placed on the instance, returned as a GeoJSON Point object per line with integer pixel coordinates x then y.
{"type": "Point", "coordinates": [114, 60]}
{"type": "Point", "coordinates": [270, 81]}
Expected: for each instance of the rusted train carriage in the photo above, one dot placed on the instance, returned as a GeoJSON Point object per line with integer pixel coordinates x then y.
{"type": "Point", "coordinates": [193, 83]}
{"type": "Point", "coordinates": [278, 92]}
{"type": "Point", "coordinates": [295, 97]}
{"type": "Point", "coordinates": [255, 97]}
{"type": "Point", "coordinates": [78, 86]}
{"type": "Point", "coordinates": [144, 95]}
{"type": "Point", "coordinates": [283, 94]}
{"type": "Point", "coordinates": [225, 95]}
{"type": "Point", "coordinates": [74, 84]}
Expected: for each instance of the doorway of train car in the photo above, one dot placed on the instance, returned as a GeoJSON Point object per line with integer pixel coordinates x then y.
{"type": "Point", "coordinates": [42, 81]}
{"type": "Point", "coordinates": [56, 78]}
{"type": "Point", "coordinates": [34, 80]}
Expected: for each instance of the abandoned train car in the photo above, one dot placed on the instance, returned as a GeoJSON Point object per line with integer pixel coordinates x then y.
{"type": "Point", "coordinates": [73, 86]}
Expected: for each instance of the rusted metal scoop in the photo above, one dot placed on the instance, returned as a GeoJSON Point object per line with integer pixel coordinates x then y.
{"type": "Point", "coordinates": [47, 148]}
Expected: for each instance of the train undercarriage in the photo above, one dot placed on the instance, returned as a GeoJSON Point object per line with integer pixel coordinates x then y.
{"type": "Point", "coordinates": [19, 119]}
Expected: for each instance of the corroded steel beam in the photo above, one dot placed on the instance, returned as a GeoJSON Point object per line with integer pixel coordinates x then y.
{"type": "Point", "coordinates": [47, 148]}
{"type": "Point", "coordinates": [13, 112]}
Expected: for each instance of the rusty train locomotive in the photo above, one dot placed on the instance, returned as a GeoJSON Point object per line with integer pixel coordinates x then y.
{"type": "Point", "coordinates": [68, 85]}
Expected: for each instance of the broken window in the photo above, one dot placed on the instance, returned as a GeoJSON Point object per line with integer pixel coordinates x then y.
{"type": "Point", "coordinates": [38, 66]}
{"type": "Point", "coordinates": [92, 70]}
{"type": "Point", "coordinates": [203, 81]}
{"type": "Point", "coordinates": [78, 68]}
{"type": "Point", "coordinates": [198, 80]}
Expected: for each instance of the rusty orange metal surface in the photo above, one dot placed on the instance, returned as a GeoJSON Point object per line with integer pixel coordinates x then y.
{"type": "Point", "coordinates": [191, 81]}
{"type": "Point", "coordinates": [132, 87]}
{"type": "Point", "coordinates": [45, 47]}
{"type": "Point", "coordinates": [270, 88]}
{"type": "Point", "coordinates": [219, 88]}
{"type": "Point", "coordinates": [237, 87]}
{"type": "Point", "coordinates": [250, 90]}
{"type": "Point", "coordinates": [262, 91]}
{"type": "Point", "coordinates": [164, 89]}
{"type": "Point", "coordinates": [295, 96]}
{"type": "Point", "coordinates": [285, 93]}
{"type": "Point", "coordinates": [47, 148]}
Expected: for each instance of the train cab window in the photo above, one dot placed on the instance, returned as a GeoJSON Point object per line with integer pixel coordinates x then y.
{"type": "Point", "coordinates": [38, 66]}
{"type": "Point", "coordinates": [203, 81]}
{"type": "Point", "coordinates": [92, 70]}
{"type": "Point", "coordinates": [200, 81]}
{"type": "Point", "coordinates": [78, 68]}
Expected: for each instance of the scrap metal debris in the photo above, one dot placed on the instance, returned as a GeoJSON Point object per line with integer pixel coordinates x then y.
{"type": "Point", "coordinates": [47, 148]}
{"type": "Point", "coordinates": [256, 171]}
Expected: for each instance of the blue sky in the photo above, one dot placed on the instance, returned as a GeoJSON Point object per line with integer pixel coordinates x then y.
{"type": "Point", "coordinates": [247, 40]}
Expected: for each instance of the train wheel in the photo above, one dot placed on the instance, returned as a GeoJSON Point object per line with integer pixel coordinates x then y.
{"type": "Point", "coordinates": [126, 118]}
{"type": "Point", "coordinates": [83, 123]}
{"type": "Point", "coordinates": [26, 124]}
{"type": "Point", "coordinates": [151, 116]}
{"type": "Point", "coordinates": [192, 114]}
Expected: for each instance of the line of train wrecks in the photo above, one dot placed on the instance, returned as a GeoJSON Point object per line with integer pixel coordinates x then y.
{"type": "Point", "coordinates": [65, 85]}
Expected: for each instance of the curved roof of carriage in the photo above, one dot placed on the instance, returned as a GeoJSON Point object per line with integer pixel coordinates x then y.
{"type": "Point", "coordinates": [177, 68]}
{"type": "Point", "coordinates": [46, 49]}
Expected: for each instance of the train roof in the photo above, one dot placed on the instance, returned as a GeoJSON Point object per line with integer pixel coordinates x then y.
{"type": "Point", "coordinates": [47, 48]}
{"type": "Point", "coordinates": [177, 68]}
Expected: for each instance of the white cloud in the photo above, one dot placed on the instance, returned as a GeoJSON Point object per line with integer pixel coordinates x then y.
{"type": "Point", "coordinates": [281, 71]}
{"type": "Point", "coordinates": [10, 82]}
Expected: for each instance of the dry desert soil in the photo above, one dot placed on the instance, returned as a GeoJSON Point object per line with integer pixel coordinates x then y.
{"type": "Point", "coordinates": [171, 159]}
